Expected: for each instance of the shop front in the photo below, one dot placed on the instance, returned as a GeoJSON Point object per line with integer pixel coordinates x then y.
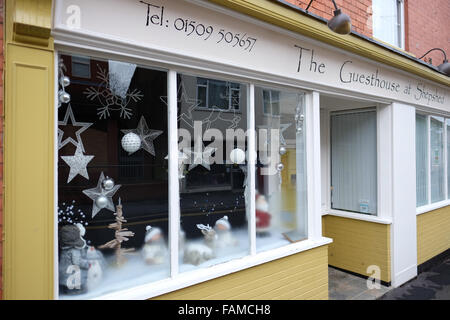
{"type": "Point", "coordinates": [192, 150]}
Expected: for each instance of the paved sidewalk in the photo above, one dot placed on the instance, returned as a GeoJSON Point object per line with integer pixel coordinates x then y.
{"type": "Point", "coordinates": [345, 286]}
{"type": "Point", "coordinates": [433, 284]}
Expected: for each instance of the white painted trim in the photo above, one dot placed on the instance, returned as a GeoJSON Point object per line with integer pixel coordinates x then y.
{"type": "Point", "coordinates": [187, 279]}
{"type": "Point", "coordinates": [312, 112]}
{"type": "Point", "coordinates": [433, 206]}
{"type": "Point", "coordinates": [55, 182]}
{"type": "Point", "coordinates": [404, 276]}
{"type": "Point", "coordinates": [357, 216]}
{"type": "Point", "coordinates": [174, 194]}
{"type": "Point", "coordinates": [251, 147]}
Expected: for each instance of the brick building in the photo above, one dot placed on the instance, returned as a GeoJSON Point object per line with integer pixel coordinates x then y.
{"type": "Point", "coordinates": [373, 70]}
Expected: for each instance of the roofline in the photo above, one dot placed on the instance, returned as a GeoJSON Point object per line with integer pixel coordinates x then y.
{"type": "Point", "coordinates": [288, 16]}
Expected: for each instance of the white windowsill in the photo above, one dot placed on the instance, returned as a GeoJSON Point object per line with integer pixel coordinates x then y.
{"type": "Point", "coordinates": [356, 216]}
{"type": "Point", "coordinates": [190, 278]}
{"type": "Point", "coordinates": [433, 206]}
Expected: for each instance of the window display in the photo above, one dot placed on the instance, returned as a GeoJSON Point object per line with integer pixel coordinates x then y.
{"type": "Point", "coordinates": [281, 203]}
{"type": "Point", "coordinates": [112, 176]}
{"type": "Point", "coordinates": [214, 217]}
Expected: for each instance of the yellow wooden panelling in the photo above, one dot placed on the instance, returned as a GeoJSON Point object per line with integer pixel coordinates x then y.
{"type": "Point", "coordinates": [358, 244]}
{"type": "Point", "coordinates": [299, 276]}
{"type": "Point", "coordinates": [285, 17]}
{"type": "Point", "coordinates": [32, 21]}
{"type": "Point", "coordinates": [28, 170]}
{"type": "Point", "coordinates": [433, 233]}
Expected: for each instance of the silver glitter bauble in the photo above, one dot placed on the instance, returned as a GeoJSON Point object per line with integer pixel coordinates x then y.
{"type": "Point", "coordinates": [64, 81]}
{"type": "Point", "coordinates": [101, 202]}
{"type": "Point", "coordinates": [64, 97]}
{"type": "Point", "coordinates": [280, 166]}
{"type": "Point", "coordinates": [299, 130]}
{"type": "Point", "coordinates": [282, 150]}
{"type": "Point", "coordinates": [108, 184]}
{"type": "Point", "coordinates": [131, 142]}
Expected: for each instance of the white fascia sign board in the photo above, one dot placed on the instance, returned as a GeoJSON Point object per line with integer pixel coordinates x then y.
{"type": "Point", "coordinates": [181, 28]}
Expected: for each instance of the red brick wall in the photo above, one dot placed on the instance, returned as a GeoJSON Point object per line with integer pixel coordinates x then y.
{"type": "Point", "coordinates": [360, 11]}
{"type": "Point", "coordinates": [427, 23]}
{"type": "Point", "coordinates": [1, 148]}
{"type": "Point", "coordinates": [427, 27]}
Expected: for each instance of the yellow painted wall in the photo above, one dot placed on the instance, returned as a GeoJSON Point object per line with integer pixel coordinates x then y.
{"type": "Point", "coordinates": [358, 244]}
{"type": "Point", "coordinates": [433, 233]}
{"type": "Point", "coordinates": [300, 276]}
{"type": "Point", "coordinates": [29, 152]}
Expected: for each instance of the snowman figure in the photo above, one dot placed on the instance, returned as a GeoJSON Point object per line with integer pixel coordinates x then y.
{"type": "Point", "coordinates": [155, 249]}
{"type": "Point", "coordinates": [95, 272]}
{"type": "Point", "coordinates": [225, 237]}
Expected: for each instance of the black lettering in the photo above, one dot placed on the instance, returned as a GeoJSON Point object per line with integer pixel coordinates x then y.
{"type": "Point", "coordinates": [340, 73]}
{"type": "Point", "coordinates": [300, 56]}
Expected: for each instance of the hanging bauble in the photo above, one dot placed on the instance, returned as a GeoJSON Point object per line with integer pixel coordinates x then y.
{"type": "Point", "coordinates": [108, 184]}
{"type": "Point", "coordinates": [131, 142]}
{"type": "Point", "coordinates": [299, 129]}
{"type": "Point", "coordinates": [237, 156]}
{"type": "Point", "coordinates": [64, 97]}
{"type": "Point", "coordinates": [64, 81]}
{"type": "Point", "coordinates": [101, 202]}
{"type": "Point", "coordinates": [282, 150]}
{"type": "Point", "coordinates": [280, 166]}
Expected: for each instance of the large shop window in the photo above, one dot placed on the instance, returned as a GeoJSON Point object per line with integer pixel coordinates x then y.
{"type": "Point", "coordinates": [113, 174]}
{"type": "Point", "coordinates": [432, 133]}
{"type": "Point", "coordinates": [354, 161]}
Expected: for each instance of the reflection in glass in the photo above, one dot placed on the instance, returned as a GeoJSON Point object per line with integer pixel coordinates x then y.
{"type": "Point", "coordinates": [437, 158]}
{"type": "Point", "coordinates": [421, 160]}
{"type": "Point", "coordinates": [212, 200]}
{"type": "Point", "coordinates": [281, 208]}
{"type": "Point", "coordinates": [112, 177]}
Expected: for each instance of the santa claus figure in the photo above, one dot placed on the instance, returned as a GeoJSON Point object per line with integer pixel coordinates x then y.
{"type": "Point", "coordinates": [263, 215]}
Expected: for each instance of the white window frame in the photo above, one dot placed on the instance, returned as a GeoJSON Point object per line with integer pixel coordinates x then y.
{"type": "Point", "coordinates": [400, 26]}
{"type": "Point", "coordinates": [446, 202]}
{"type": "Point", "coordinates": [178, 280]}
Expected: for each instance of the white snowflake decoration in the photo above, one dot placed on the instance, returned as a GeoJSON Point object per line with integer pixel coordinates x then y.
{"type": "Point", "coordinates": [110, 98]}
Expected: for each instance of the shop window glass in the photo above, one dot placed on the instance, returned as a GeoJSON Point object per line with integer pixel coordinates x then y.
{"type": "Point", "coordinates": [112, 177]}
{"type": "Point", "coordinates": [281, 203]}
{"type": "Point", "coordinates": [354, 161]}
{"type": "Point", "coordinates": [448, 158]}
{"type": "Point", "coordinates": [81, 67]}
{"type": "Point", "coordinates": [421, 160]}
{"type": "Point", "coordinates": [218, 94]}
{"type": "Point", "coordinates": [212, 174]}
{"type": "Point", "coordinates": [437, 158]}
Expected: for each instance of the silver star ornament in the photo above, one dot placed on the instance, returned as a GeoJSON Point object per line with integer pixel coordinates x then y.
{"type": "Point", "coordinates": [77, 164]}
{"type": "Point", "coordinates": [83, 127]}
{"type": "Point", "coordinates": [146, 135]}
{"type": "Point", "coordinates": [200, 157]}
{"type": "Point", "coordinates": [98, 192]}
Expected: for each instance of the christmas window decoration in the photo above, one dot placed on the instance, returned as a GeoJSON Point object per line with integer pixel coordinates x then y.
{"type": "Point", "coordinates": [113, 175]}
{"type": "Point", "coordinates": [281, 199]}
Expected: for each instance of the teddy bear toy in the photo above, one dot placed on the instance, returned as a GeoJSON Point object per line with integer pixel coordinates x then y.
{"type": "Point", "coordinates": [73, 265]}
